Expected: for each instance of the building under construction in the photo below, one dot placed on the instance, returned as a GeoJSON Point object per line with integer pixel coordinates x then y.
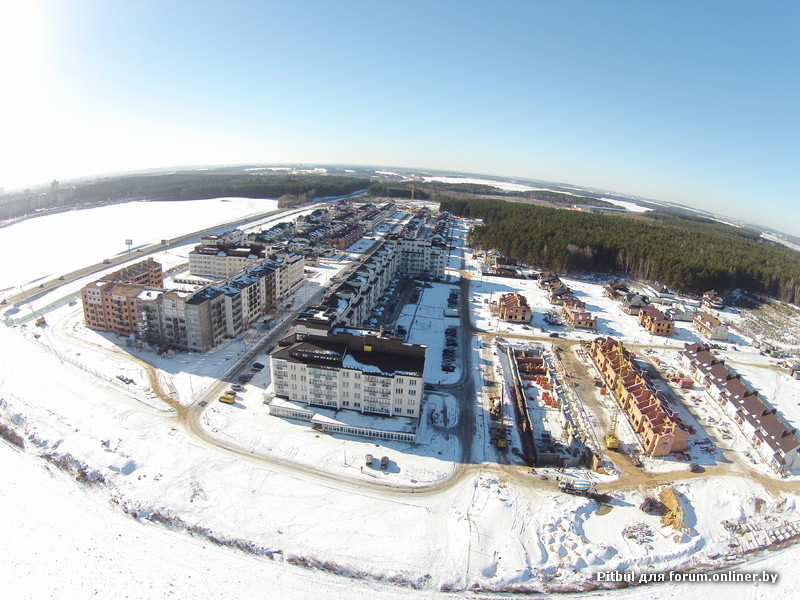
{"type": "Point", "coordinates": [548, 429]}
{"type": "Point", "coordinates": [660, 429]}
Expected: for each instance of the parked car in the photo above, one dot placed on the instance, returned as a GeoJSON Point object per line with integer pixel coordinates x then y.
{"type": "Point", "coordinates": [236, 387]}
{"type": "Point", "coordinates": [384, 462]}
{"type": "Point", "coordinates": [258, 365]}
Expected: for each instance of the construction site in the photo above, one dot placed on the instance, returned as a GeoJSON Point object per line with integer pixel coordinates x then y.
{"type": "Point", "coordinates": [552, 424]}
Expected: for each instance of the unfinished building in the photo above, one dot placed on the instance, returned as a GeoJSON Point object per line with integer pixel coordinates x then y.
{"type": "Point", "coordinates": [544, 418]}
{"type": "Point", "coordinates": [660, 429]}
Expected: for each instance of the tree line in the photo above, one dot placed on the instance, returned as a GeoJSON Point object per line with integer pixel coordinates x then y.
{"type": "Point", "coordinates": [199, 186]}
{"type": "Point", "coordinates": [428, 189]}
{"type": "Point", "coordinates": [690, 254]}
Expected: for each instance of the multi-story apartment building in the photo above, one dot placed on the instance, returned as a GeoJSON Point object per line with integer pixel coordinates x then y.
{"type": "Point", "coordinates": [223, 260]}
{"type": "Point", "coordinates": [147, 273]}
{"type": "Point", "coordinates": [345, 368]}
{"type": "Point", "coordinates": [112, 304]}
{"type": "Point", "coordinates": [289, 268]}
{"type": "Point", "coordinates": [354, 298]}
{"type": "Point", "coordinates": [188, 320]}
{"type": "Point", "coordinates": [346, 237]}
{"type": "Point", "coordinates": [206, 318]}
{"type": "Point", "coordinates": [419, 257]}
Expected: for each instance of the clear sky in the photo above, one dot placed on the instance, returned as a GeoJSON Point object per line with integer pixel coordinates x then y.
{"type": "Point", "coordinates": [696, 102]}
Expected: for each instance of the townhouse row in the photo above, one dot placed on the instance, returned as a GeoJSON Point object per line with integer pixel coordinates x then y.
{"type": "Point", "coordinates": [772, 437]}
{"type": "Point", "coordinates": [660, 428]}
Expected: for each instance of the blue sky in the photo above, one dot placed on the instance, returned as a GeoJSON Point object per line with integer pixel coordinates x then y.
{"type": "Point", "coordinates": [691, 102]}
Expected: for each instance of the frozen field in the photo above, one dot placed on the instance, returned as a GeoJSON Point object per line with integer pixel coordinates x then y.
{"type": "Point", "coordinates": [60, 243]}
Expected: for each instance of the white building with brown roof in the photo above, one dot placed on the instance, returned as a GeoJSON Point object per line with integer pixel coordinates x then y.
{"type": "Point", "coordinates": [710, 326]}
{"type": "Point", "coordinates": [772, 437]}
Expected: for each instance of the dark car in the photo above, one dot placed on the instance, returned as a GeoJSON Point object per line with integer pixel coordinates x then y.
{"type": "Point", "coordinates": [258, 365]}
{"type": "Point", "coordinates": [554, 334]}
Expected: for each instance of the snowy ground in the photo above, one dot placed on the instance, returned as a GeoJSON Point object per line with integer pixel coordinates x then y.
{"type": "Point", "coordinates": [144, 223]}
{"type": "Point", "coordinates": [248, 479]}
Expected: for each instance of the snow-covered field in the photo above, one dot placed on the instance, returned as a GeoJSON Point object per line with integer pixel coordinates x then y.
{"type": "Point", "coordinates": [62, 242]}
{"type": "Point", "coordinates": [175, 488]}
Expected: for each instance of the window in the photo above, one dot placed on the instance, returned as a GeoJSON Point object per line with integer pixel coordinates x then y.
{"type": "Point", "coordinates": [398, 390]}
{"type": "Point", "coordinates": [397, 409]}
{"type": "Point", "coordinates": [410, 411]}
{"type": "Point", "coordinates": [412, 392]}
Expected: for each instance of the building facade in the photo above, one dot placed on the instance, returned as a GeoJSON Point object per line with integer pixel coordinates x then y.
{"type": "Point", "coordinates": [659, 428]}
{"type": "Point", "coordinates": [514, 308]}
{"type": "Point", "coordinates": [710, 326]}
{"type": "Point", "coordinates": [419, 257]}
{"type": "Point", "coordinates": [772, 437]}
{"type": "Point", "coordinates": [221, 261]}
{"type": "Point", "coordinates": [347, 368]}
{"type": "Point", "coordinates": [655, 321]}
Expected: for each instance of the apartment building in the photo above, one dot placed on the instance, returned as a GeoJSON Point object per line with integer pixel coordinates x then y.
{"type": "Point", "coordinates": [346, 237]}
{"type": "Point", "coordinates": [112, 304]}
{"type": "Point", "coordinates": [223, 260]}
{"type": "Point", "coordinates": [289, 269]}
{"type": "Point", "coordinates": [207, 318]}
{"type": "Point", "coordinates": [655, 321]}
{"type": "Point", "coordinates": [146, 273]}
{"type": "Point", "coordinates": [189, 320]}
{"type": "Point", "coordinates": [710, 326]}
{"type": "Point", "coordinates": [419, 257]}
{"type": "Point", "coordinates": [362, 286]}
{"type": "Point", "coordinates": [772, 437]}
{"type": "Point", "coordinates": [514, 307]}
{"type": "Point", "coordinates": [660, 429]}
{"type": "Point", "coordinates": [344, 368]}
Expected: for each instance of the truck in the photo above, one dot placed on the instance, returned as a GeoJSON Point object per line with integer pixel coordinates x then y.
{"type": "Point", "coordinates": [577, 487]}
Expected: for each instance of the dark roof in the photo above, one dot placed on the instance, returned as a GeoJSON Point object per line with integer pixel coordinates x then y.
{"type": "Point", "coordinates": [207, 293]}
